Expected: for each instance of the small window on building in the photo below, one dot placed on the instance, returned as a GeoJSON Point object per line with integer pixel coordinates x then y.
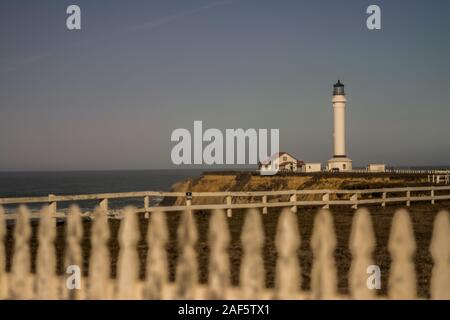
{"type": "Point", "coordinates": [285, 158]}
{"type": "Point", "coordinates": [343, 166]}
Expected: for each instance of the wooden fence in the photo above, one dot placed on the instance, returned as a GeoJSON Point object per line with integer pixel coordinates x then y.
{"type": "Point", "coordinates": [20, 283]}
{"type": "Point", "coordinates": [432, 176]}
{"type": "Point", "coordinates": [229, 200]}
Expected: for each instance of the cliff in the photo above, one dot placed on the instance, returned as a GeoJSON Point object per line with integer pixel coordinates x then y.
{"type": "Point", "coordinates": [249, 181]}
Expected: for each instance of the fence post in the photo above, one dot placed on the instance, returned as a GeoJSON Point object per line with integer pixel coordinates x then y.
{"type": "Point", "coordinates": [401, 245]}
{"type": "Point", "coordinates": [440, 251]}
{"type": "Point", "coordinates": [219, 262]}
{"type": "Point", "coordinates": [326, 198]}
{"type": "Point", "coordinates": [188, 200]}
{"type": "Point", "coordinates": [287, 278]}
{"type": "Point", "coordinates": [186, 270]}
{"type": "Point", "coordinates": [74, 234]}
{"type": "Point", "coordinates": [52, 206]}
{"type": "Point", "coordinates": [46, 282]}
{"type": "Point", "coordinates": [147, 207]}
{"type": "Point", "coordinates": [157, 266]}
{"type": "Point", "coordinates": [354, 199]}
{"type": "Point", "coordinates": [229, 211]}
{"type": "Point", "coordinates": [104, 205]}
{"type": "Point", "coordinates": [21, 280]}
{"type": "Point", "coordinates": [128, 263]}
{"type": "Point", "coordinates": [264, 201]}
{"type": "Point", "coordinates": [323, 243]}
{"type": "Point", "coordinates": [252, 265]}
{"type": "Point", "coordinates": [408, 196]}
{"type": "Point", "coordinates": [99, 263]}
{"type": "Point", "coordinates": [293, 198]}
{"type": "Point", "coordinates": [432, 195]}
{"type": "Point", "coordinates": [383, 204]}
{"type": "Point", "coordinates": [362, 244]}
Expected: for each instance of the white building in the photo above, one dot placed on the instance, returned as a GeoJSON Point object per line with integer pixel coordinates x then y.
{"type": "Point", "coordinates": [311, 167]}
{"type": "Point", "coordinates": [376, 167]}
{"type": "Point", "coordinates": [340, 161]}
{"type": "Point", "coordinates": [281, 161]}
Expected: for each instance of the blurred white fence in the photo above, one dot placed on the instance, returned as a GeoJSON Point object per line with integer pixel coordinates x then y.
{"type": "Point", "coordinates": [20, 283]}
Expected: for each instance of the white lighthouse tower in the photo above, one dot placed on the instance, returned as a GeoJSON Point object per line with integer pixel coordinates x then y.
{"type": "Point", "coordinates": [339, 162]}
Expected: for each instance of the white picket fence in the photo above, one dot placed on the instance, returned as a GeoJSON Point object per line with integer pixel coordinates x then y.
{"type": "Point", "coordinates": [20, 283]}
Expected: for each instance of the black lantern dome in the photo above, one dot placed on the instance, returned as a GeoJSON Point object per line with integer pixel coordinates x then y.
{"type": "Point", "coordinates": [338, 89]}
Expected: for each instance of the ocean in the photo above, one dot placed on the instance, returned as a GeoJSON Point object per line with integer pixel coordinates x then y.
{"type": "Point", "coordinates": [35, 184]}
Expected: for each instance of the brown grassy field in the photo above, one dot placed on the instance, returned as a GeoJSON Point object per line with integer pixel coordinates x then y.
{"type": "Point", "coordinates": [422, 216]}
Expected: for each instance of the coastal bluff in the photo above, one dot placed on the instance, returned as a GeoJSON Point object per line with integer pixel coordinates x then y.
{"type": "Point", "coordinates": [251, 181]}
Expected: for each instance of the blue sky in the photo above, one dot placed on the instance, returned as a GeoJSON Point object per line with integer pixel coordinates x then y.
{"type": "Point", "coordinates": [110, 95]}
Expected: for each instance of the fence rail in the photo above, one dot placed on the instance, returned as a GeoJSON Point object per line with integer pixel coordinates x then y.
{"type": "Point", "coordinates": [434, 176]}
{"type": "Point", "coordinates": [232, 200]}
{"type": "Point", "coordinates": [21, 283]}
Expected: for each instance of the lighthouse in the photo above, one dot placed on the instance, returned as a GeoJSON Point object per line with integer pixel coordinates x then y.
{"type": "Point", "coordinates": [340, 161]}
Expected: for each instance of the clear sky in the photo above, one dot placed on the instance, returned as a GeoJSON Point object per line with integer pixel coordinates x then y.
{"type": "Point", "coordinates": [110, 95]}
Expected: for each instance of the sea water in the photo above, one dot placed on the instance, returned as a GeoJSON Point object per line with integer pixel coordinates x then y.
{"type": "Point", "coordinates": [36, 184]}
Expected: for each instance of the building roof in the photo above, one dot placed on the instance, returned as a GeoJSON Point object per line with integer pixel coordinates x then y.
{"type": "Point", "coordinates": [338, 84]}
{"type": "Point", "coordinates": [278, 155]}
